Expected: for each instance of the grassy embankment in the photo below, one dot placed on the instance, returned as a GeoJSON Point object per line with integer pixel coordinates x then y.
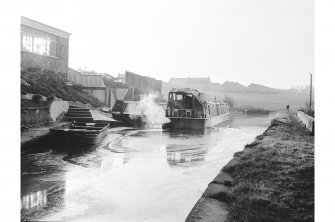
{"type": "Point", "coordinates": [274, 175]}
{"type": "Point", "coordinates": [272, 179]}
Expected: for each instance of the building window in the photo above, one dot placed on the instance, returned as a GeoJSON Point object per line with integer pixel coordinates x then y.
{"type": "Point", "coordinates": [27, 42]}
{"type": "Point", "coordinates": [42, 45]}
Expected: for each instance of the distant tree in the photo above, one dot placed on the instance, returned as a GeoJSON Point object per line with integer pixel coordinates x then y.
{"type": "Point", "coordinates": [229, 100]}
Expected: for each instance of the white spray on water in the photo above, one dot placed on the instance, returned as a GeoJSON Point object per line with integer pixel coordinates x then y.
{"type": "Point", "coordinates": [152, 114]}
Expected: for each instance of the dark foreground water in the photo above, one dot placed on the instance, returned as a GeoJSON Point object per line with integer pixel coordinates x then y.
{"type": "Point", "coordinates": [134, 175]}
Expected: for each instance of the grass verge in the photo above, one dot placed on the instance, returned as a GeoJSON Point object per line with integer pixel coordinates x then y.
{"type": "Point", "coordinates": [274, 175]}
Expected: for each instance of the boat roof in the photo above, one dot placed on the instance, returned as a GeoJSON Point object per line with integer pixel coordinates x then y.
{"type": "Point", "coordinates": [200, 96]}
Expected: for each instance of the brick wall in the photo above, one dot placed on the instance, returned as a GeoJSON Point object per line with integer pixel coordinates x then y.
{"type": "Point", "coordinates": [59, 64]}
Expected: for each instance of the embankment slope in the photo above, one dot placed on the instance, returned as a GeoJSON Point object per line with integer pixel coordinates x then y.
{"type": "Point", "coordinates": [272, 179]}
{"type": "Point", "coordinates": [48, 84]}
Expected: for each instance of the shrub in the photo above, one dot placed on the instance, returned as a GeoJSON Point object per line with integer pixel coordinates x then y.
{"type": "Point", "coordinates": [49, 72]}
{"type": "Point", "coordinates": [50, 98]}
{"type": "Point", "coordinates": [36, 98]}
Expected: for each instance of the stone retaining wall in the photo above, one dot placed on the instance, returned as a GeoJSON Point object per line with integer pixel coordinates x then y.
{"type": "Point", "coordinates": [35, 116]}
{"type": "Point", "coordinates": [39, 116]}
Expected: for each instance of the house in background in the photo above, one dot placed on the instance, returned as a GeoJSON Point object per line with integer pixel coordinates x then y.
{"type": "Point", "coordinates": [43, 46]}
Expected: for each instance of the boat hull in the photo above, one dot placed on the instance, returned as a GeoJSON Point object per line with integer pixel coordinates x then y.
{"type": "Point", "coordinates": [66, 135]}
{"type": "Point", "coordinates": [195, 123]}
{"type": "Point", "coordinates": [136, 121]}
{"type": "Point", "coordinates": [79, 138]}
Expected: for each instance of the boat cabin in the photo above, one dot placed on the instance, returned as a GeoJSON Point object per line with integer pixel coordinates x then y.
{"type": "Point", "coordinates": [190, 103]}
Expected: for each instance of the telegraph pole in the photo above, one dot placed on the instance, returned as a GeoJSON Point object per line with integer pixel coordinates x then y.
{"type": "Point", "coordinates": [310, 94]}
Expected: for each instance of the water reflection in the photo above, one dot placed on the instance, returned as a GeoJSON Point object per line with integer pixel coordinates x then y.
{"type": "Point", "coordinates": [114, 160]}
{"type": "Point", "coordinates": [38, 204]}
{"type": "Point", "coordinates": [37, 199]}
{"type": "Point", "coordinates": [42, 184]}
{"type": "Point", "coordinates": [179, 154]}
{"type": "Point", "coordinates": [188, 132]}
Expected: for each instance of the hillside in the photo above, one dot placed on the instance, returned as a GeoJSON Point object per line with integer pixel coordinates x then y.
{"type": "Point", "coordinates": [270, 101]}
{"type": "Point", "coordinates": [49, 84]}
{"type": "Point", "coordinates": [233, 86]}
{"type": "Point", "coordinates": [262, 89]}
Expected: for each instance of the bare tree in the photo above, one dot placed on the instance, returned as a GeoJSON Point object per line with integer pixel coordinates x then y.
{"type": "Point", "coordinates": [229, 100]}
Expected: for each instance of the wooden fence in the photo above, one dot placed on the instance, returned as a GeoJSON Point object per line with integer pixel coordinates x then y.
{"type": "Point", "coordinates": [85, 80]}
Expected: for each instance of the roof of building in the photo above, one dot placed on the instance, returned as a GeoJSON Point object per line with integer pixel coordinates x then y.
{"type": "Point", "coordinates": [45, 28]}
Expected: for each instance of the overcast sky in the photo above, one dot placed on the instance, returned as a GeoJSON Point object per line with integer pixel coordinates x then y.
{"type": "Point", "coordinates": [268, 42]}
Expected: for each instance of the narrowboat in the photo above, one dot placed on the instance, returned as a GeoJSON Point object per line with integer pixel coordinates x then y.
{"type": "Point", "coordinates": [80, 133]}
{"type": "Point", "coordinates": [191, 109]}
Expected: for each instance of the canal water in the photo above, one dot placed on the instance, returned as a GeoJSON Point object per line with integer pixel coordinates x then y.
{"type": "Point", "coordinates": [133, 175]}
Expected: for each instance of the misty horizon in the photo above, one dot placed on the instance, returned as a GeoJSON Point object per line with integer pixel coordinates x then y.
{"type": "Point", "coordinates": [265, 42]}
{"type": "Point", "coordinates": [227, 81]}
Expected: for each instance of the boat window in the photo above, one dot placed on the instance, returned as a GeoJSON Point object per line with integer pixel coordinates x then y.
{"type": "Point", "coordinates": [189, 101]}
{"type": "Point", "coordinates": [172, 96]}
{"type": "Point", "coordinates": [179, 97]}
{"type": "Point", "coordinates": [189, 97]}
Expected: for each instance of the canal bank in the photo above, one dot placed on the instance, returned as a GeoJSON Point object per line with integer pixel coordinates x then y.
{"type": "Point", "coordinates": [32, 137]}
{"type": "Point", "coordinates": [272, 179]}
